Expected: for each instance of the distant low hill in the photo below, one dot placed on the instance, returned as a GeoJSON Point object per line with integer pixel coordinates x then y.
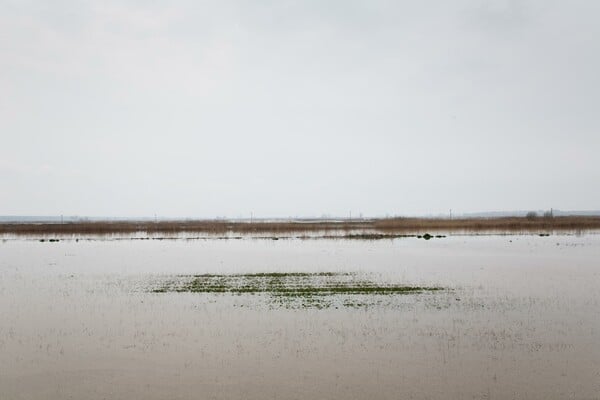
{"type": "Point", "coordinates": [556, 213]}
{"type": "Point", "coordinates": [50, 219]}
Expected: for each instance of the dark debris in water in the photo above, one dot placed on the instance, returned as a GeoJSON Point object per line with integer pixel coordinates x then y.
{"type": "Point", "coordinates": [348, 236]}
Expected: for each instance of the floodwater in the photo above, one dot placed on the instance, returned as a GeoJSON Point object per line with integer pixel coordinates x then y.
{"type": "Point", "coordinates": [519, 319]}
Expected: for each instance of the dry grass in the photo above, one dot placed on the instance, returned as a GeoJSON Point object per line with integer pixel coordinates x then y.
{"type": "Point", "coordinates": [387, 226]}
{"type": "Point", "coordinates": [508, 224]}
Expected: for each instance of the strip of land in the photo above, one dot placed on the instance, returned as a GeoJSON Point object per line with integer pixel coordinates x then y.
{"type": "Point", "coordinates": [359, 228]}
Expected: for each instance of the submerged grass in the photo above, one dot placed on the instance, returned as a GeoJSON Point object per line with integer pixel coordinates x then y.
{"type": "Point", "coordinates": [295, 288]}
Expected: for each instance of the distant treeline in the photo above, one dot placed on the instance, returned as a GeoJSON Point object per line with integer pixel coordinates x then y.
{"type": "Point", "coordinates": [387, 225]}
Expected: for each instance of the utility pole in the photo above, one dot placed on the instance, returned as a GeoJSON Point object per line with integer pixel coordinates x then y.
{"type": "Point", "coordinates": [450, 213]}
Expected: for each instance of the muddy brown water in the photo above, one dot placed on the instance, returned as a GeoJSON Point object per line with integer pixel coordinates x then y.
{"type": "Point", "coordinates": [521, 321]}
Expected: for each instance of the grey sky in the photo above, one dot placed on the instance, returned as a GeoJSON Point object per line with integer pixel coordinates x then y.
{"type": "Point", "coordinates": [285, 108]}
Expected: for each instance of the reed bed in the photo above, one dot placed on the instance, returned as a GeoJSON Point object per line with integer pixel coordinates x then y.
{"type": "Point", "coordinates": [273, 228]}
{"type": "Point", "coordinates": [509, 224]}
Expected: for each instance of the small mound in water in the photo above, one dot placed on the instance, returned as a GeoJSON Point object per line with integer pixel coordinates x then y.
{"type": "Point", "coordinates": [309, 289]}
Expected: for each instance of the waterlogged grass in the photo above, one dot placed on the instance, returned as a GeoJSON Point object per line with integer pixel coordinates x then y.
{"type": "Point", "coordinates": [371, 228]}
{"type": "Point", "coordinates": [320, 290]}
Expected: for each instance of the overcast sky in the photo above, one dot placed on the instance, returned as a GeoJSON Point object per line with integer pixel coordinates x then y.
{"type": "Point", "coordinates": [298, 108]}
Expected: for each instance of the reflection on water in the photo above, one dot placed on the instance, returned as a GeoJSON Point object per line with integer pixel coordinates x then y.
{"type": "Point", "coordinates": [522, 320]}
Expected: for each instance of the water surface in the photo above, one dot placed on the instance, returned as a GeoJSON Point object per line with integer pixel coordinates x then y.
{"type": "Point", "coordinates": [520, 319]}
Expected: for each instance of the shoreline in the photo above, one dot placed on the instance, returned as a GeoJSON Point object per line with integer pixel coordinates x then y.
{"type": "Point", "coordinates": [344, 229]}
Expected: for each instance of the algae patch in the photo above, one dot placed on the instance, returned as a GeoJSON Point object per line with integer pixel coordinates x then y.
{"type": "Point", "coordinates": [322, 289]}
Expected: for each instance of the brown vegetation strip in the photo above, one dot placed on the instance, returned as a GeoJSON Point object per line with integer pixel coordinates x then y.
{"type": "Point", "coordinates": [387, 226]}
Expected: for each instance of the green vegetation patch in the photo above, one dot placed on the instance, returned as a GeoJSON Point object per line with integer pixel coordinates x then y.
{"type": "Point", "coordinates": [306, 289]}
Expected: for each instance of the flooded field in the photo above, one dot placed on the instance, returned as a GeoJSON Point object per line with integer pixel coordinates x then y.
{"type": "Point", "coordinates": [454, 317]}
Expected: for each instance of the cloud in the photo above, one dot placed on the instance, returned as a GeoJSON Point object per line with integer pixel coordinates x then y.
{"type": "Point", "coordinates": [388, 105]}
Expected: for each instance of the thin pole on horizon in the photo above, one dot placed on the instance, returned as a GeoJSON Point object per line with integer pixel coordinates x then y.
{"type": "Point", "coordinates": [450, 213]}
